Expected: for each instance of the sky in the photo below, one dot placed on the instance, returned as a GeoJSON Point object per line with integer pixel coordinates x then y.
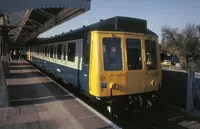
{"type": "Point", "coordinates": [158, 13]}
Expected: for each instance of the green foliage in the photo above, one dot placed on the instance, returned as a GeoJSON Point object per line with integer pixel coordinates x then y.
{"type": "Point", "coordinates": [185, 44]}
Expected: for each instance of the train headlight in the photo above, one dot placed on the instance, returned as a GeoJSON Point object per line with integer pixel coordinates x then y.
{"type": "Point", "coordinates": [103, 85]}
{"type": "Point", "coordinates": [154, 83]}
{"type": "Point", "coordinates": [114, 86]}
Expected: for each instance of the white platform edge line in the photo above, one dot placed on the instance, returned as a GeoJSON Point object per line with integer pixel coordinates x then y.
{"type": "Point", "coordinates": [80, 101]}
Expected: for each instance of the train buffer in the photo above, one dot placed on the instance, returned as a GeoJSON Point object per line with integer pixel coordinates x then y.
{"type": "Point", "coordinates": [36, 101]}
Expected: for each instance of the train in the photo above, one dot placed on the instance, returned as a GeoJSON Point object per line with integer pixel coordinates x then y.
{"type": "Point", "coordinates": [116, 61]}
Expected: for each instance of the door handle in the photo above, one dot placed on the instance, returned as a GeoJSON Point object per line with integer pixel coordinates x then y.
{"type": "Point", "coordinates": [85, 75]}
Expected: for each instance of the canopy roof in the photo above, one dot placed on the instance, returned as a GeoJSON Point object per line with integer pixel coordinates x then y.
{"type": "Point", "coordinates": [26, 19]}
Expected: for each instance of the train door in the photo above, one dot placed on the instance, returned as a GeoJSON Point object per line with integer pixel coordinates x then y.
{"type": "Point", "coordinates": [136, 81]}
{"type": "Point", "coordinates": [84, 75]}
{"type": "Point", "coordinates": [73, 55]}
{"type": "Point", "coordinates": [79, 56]}
{"type": "Point", "coordinates": [74, 60]}
{"type": "Point", "coordinates": [112, 71]}
{"type": "Point", "coordinates": [152, 64]}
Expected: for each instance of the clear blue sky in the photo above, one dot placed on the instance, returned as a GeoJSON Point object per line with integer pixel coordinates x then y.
{"type": "Point", "coordinates": [175, 13]}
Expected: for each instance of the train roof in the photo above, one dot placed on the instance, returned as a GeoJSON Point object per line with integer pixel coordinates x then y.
{"type": "Point", "coordinates": [118, 23]}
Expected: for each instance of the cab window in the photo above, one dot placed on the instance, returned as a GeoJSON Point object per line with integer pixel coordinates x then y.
{"type": "Point", "coordinates": [151, 55]}
{"type": "Point", "coordinates": [134, 54]}
{"type": "Point", "coordinates": [112, 54]}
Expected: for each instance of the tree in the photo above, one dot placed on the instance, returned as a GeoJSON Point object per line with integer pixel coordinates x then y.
{"type": "Point", "coordinates": [185, 44]}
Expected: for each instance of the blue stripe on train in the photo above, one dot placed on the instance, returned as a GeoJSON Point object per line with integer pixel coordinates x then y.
{"type": "Point", "coordinates": [71, 75]}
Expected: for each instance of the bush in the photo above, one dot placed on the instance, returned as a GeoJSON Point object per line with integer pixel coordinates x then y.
{"type": "Point", "coordinates": [185, 44]}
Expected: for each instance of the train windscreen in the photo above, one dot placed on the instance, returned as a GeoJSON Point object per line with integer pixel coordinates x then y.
{"type": "Point", "coordinates": [151, 55]}
{"type": "Point", "coordinates": [134, 54]}
{"type": "Point", "coordinates": [112, 54]}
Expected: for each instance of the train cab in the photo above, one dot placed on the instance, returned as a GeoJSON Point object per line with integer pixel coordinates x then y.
{"type": "Point", "coordinates": [123, 63]}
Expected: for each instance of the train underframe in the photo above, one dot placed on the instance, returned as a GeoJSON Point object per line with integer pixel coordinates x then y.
{"type": "Point", "coordinates": [130, 104]}
{"type": "Point", "coordinates": [125, 104]}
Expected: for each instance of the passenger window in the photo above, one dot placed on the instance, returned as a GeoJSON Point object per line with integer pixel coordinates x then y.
{"type": "Point", "coordinates": [46, 51]}
{"type": "Point", "coordinates": [71, 52]}
{"type": "Point", "coordinates": [42, 50]}
{"type": "Point", "coordinates": [64, 52]}
{"type": "Point", "coordinates": [151, 55]}
{"type": "Point", "coordinates": [59, 51]}
{"type": "Point", "coordinates": [38, 50]}
{"type": "Point", "coordinates": [134, 54]}
{"type": "Point", "coordinates": [112, 54]}
{"type": "Point", "coordinates": [86, 53]}
{"type": "Point", "coordinates": [51, 51]}
{"type": "Point", "coordinates": [55, 52]}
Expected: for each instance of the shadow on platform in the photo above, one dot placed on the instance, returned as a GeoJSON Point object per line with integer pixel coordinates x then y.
{"type": "Point", "coordinates": [35, 93]}
{"type": "Point", "coordinates": [24, 75]}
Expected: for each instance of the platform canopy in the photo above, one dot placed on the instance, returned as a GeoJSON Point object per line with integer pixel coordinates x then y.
{"type": "Point", "coordinates": [26, 19]}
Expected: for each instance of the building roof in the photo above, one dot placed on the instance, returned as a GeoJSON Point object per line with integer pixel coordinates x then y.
{"type": "Point", "coordinates": [26, 19]}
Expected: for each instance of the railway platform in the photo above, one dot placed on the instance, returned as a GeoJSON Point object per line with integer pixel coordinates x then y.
{"type": "Point", "coordinates": [37, 102]}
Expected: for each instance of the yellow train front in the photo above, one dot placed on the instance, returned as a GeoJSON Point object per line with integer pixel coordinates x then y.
{"type": "Point", "coordinates": [125, 65]}
{"type": "Point", "coordinates": [116, 61]}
